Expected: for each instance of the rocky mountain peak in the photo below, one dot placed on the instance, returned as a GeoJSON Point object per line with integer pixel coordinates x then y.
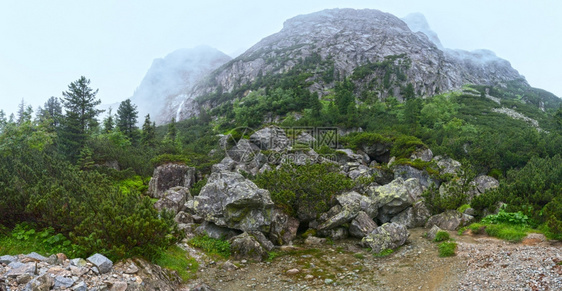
{"type": "Point", "coordinates": [340, 41]}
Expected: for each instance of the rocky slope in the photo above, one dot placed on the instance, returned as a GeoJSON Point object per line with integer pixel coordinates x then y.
{"type": "Point", "coordinates": [342, 40]}
{"type": "Point", "coordinates": [166, 83]}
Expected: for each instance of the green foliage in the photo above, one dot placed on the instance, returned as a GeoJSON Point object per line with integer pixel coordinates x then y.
{"type": "Point", "coordinates": [512, 218]}
{"type": "Point", "coordinates": [134, 184]}
{"type": "Point", "coordinates": [211, 246]}
{"type": "Point", "coordinates": [437, 202]}
{"type": "Point", "coordinates": [384, 253]}
{"type": "Point", "coordinates": [405, 145]}
{"type": "Point", "coordinates": [447, 249]}
{"type": "Point", "coordinates": [25, 239]}
{"type": "Point", "coordinates": [304, 188]}
{"type": "Point", "coordinates": [196, 188]}
{"type": "Point", "coordinates": [178, 260]}
{"type": "Point", "coordinates": [463, 208]}
{"type": "Point", "coordinates": [509, 232]}
{"type": "Point", "coordinates": [126, 122]}
{"type": "Point", "coordinates": [441, 236]}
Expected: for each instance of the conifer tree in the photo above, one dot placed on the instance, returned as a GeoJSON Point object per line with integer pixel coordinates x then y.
{"type": "Point", "coordinates": [108, 123]}
{"type": "Point", "coordinates": [148, 137]}
{"type": "Point", "coordinates": [127, 119]}
{"type": "Point", "coordinates": [80, 119]}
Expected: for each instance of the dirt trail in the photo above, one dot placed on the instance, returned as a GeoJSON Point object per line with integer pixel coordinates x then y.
{"type": "Point", "coordinates": [345, 266]}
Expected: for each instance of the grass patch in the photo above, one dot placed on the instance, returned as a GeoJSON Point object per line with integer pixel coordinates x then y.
{"type": "Point", "coordinates": [463, 208]}
{"type": "Point", "coordinates": [441, 236]}
{"type": "Point", "coordinates": [507, 232]}
{"type": "Point", "coordinates": [211, 245]}
{"type": "Point", "coordinates": [177, 259]}
{"type": "Point", "coordinates": [447, 249]}
{"type": "Point", "coordinates": [384, 253]}
{"type": "Point", "coordinates": [359, 256]}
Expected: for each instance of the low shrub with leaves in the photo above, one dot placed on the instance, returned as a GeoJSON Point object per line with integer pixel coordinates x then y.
{"type": "Point", "coordinates": [309, 188]}
{"type": "Point", "coordinates": [441, 236]}
{"type": "Point", "coordinates": [447, 249]}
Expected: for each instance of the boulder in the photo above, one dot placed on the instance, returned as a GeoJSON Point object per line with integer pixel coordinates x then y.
{"type": "Point", "coordinates": [243, 152]}
{"type": "Point", "coordinates": [173, 199]}
{"type": "Point", "coordinates": [168, 176]}
{"type": "Point", "coordinates": [183, 218]}
{"type": "Point", "coordinates": [338, 233]}
{"type": "Point", "coordinates": [283, 228]}
{"type": "Point", "coordinates": [448, 165]}
{"type": "Point", "coordinates": [271, 138]}
{"type": "Point", "coordinates": [264, 242]}
{"type": "Point", "coordinates": [449, 220]}
{"type": "Point", "coordinates": [360, 202]}
{"type": "Point", "coordinates": [347, 155]}
{"type": "Point", "coordinates": [482, 184]}
{"type": "Point", "coordinates": [382, 177]}
{"type": "Point", "coordinates": [351, 204]}
{"type": "Point", "coordinates": [379, 152]}
{"type": "Point", "coordinates": [394, 197]}
{"type": "Point", "coordinates": [362, 225]}
{"type": "Point", "coordinates": [425, 155]}
{"type": "Point", "coordinates": [7, 259]}
{"type": "Point", "coordinates": [36, 257]}
{"type": "Point", "coordinates": [433, 232]}
{"type": "Point", "coordinates": [213, 231]}
{"type": "Point", "coordinates": [246, 246]}
{"type": "Point", "coordinates": [227, 164]}
{"type": "Point", "coordinates": [230, 200]}
{"type": "Point", "coordinates": [415, 216]}
{"type": "Point", "coordinates": [41, 283]}
{"type": "Point", "coordinates": [103, 264]}
{"type": "Point", "coordinates": [360, 171]}
{"type": "Point", "coordinates": [406, 172]}
{"type": "Point", "coordinates": [386, 236]}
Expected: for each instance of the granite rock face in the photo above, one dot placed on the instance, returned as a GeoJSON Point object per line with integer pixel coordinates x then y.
{"type": "Point", "coordinates": [168, 176]}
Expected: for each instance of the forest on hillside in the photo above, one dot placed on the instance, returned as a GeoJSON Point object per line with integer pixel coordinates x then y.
{"type": "Point", "coordinates": [71, 171]}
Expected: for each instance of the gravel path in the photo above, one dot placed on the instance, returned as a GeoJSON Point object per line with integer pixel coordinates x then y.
{"type": "Point", "coordinates": [482, 263]}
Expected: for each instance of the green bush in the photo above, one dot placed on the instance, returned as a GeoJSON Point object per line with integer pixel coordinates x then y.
{"type": "Point", "coordinates": [447, 249]}
{"type": "Point", "coordinates": [211, 245]}
{"type": "Point", "coordinates": [169, 158]}
{"type": "Point", "coordinates": [308, 188]}
{"type": "Point", "coordinates": [196, 188]}
{"type": "Point", "coordinates": [437, 203]}
{"type": "Point", "coordinates": [441, 236]}
{"type": "Point", "coordinates": [512, 218]}
{"type": "Point", "coordinates": [405, 145]}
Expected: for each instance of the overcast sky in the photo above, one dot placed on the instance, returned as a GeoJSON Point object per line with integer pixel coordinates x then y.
{"type": "Point", "coordinates": [45, 45]}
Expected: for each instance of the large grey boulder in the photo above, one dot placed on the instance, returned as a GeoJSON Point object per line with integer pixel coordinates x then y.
{"type": "Point", "coordinates": [379, 152]}
{"type": "Point", "coordinates": [243, 152]}
{"type": "Point", "coordinates": [362, 225]}
{"type": "Point", "coordinates": [168, 176]}
{"type": "Point", "coordinates": [103, 264]}
{"type": "Point", "coordinates": [406, 172]}
{"type": "Point", "coordinates": [41, 283]}
{"type": "Point", "coordinates": [347, 156]}
{"type": "Point", "coordinates": [448, 165]}
{"type": "Point", "coordinates": [271, 138]}
{"type": "Point", "coordinates": [482, 184]}
{"type": "Point", "coordinates": [423, 154]}
{"type": "Point", "coordinates": [395, 197]}
{"type": "Point", "coordinates": [227, 164]}
{"type": "Point", "coordinates": [283, 228]}
{"type": "Point", "coordinates": [173, 199]}
{"type": "Point", "coordinates": [415, 216]}
{"type": "Point", "coordinates": [449, 220]}
{"type": "Point", "coordinates": [386, 236]}
{"type": "Point", "coordinates": [230, 200]}
{"type": "Point", "coordinates": [432, 233]}
{"type": "Point", "coordinates": [246, 246]}
{"type": "Point", "coordinates": [352, 203]}
{"type": "Point", "coordinates": [7, 259]}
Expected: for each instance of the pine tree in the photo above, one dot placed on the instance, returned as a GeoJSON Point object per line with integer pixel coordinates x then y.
{"type": "Point", "coordinates": [108, 123]}
{"type": "Point", "coordinates": [172, 132]}
{"type": "Point", "coordinates": [127, 119]}
{"type": "Point", "coordinates": [148, 137]}
{"type": "Point", "coordinates": [80, 118]}
{"type": "Point", "coordinates": [24, 113]}
{"type": "Point", "coordinates": [51, 113]}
